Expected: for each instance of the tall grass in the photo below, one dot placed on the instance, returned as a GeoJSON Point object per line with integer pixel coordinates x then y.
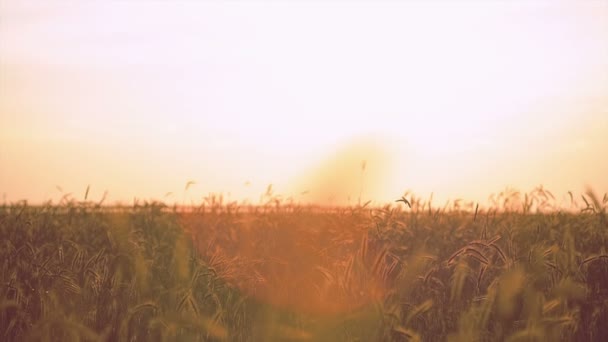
{"type": "Point", "coordinates": [523, 269]}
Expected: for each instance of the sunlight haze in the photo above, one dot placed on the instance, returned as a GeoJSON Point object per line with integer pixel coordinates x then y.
{"type": "Point", "coordinates": [459, 99]}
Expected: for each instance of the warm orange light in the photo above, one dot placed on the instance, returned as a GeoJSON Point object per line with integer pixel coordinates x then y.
{"type": "Point", "coordinates": [471, 97]}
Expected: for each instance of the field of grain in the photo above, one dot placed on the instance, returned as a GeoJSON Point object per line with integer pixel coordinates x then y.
{"type": "Point", "coordinates": [522, 270]}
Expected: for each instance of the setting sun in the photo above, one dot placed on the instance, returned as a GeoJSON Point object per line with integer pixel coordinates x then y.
{"type": "Point", "coordinates": [138, 98]}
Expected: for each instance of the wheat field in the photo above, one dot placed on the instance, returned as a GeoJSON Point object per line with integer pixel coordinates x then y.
{"type": "Point", "coordinates": [523, 269]}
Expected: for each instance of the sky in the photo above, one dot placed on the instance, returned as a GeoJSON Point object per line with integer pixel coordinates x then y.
{"type": "Point", "coordinates": [329, 101]}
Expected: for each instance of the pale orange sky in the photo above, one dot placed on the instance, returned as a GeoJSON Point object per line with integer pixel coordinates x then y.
{"type": "Point", "coordinates": [459, 98]}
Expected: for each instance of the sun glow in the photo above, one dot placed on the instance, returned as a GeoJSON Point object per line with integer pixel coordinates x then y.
{"type": "Point", "coordinates": [464, 98]}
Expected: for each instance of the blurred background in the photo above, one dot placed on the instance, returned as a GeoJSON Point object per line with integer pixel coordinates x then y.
{"type": "Point", "coordinates": [328, 101]}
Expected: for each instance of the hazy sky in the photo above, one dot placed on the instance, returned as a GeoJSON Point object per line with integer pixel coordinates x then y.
{"type": "Point", "coordinates": [459, 98]}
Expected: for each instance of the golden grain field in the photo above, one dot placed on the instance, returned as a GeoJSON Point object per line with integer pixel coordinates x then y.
{"type": "Point", "coordinates": [522, 270]}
